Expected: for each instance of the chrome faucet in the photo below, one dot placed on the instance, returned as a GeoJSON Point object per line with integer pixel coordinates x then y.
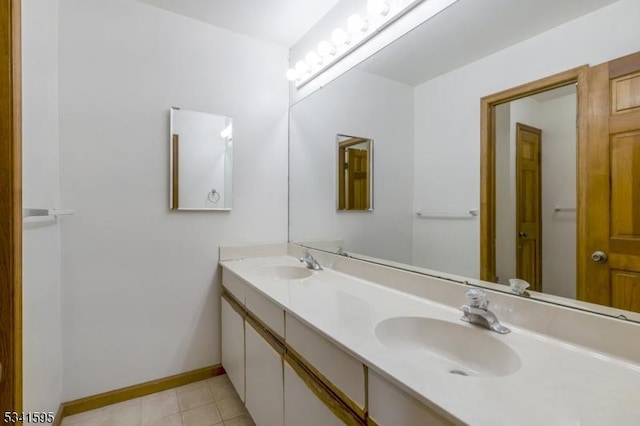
{"type": "Point", "coordinates": [477, 312]}
{"type": "Point", "coordinates": [310, 261]}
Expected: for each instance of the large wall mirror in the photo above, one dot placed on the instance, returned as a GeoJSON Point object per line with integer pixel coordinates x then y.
{"type": "Point", "coordinates": [201, 159]}
{"type": "Point", "coordinates": [420, 100]}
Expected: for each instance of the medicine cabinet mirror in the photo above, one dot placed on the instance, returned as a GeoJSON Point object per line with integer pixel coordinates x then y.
{"type": "Point", "coordinates": [201, 158]}
{"type": "Point", "coordinates": [355, 173]}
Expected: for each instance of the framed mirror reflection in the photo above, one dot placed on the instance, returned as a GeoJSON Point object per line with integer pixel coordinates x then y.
{"type": "Point", "coordinates": [354, 165]}
{"type": "Point", "coordinates": [201, 160]}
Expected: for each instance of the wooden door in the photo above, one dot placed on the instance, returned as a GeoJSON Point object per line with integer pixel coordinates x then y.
{"type": "Point", "coordinates": [10, 209]}
{"type": "Point", "coordinates": [528, 194]}
{"type": "Point", "coordinates": [358, 181]}
{"type": "Point", "coordinates": [612, 187]}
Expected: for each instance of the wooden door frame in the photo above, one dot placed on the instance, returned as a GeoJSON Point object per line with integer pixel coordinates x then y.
{"type": "Point", "coordinates": [487, 160]}
{"type": "Point", "coordinates": [11, 205]}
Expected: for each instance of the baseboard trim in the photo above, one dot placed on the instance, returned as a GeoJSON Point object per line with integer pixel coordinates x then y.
{"type": "Point", "coordinates": [119, 395]}
{"type": "Point", "coordinates": [57, 421]}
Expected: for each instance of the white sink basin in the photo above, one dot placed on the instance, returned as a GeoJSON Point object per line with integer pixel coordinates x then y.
{"type": "Point", "coordinates": [457, 348]}
{"type": "Point", "coordinates": [284, 272]}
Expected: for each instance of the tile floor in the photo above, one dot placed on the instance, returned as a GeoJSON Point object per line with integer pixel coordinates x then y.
{"type": "Point", "coordinates": [209, 402]}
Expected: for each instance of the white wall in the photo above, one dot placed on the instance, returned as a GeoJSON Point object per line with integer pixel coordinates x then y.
{"type": "Point", "coordinates": [558, 154]}
{"type": "Point", "coordinates": [364, 105]}
{"type": "Point", "coordinates": [448, 123]}
{"type": "Point", "coordinates": [557, 120]}
{"type": "Point", "coordinates": [505, 194]}
{"type": "Point", "coordinates": [41, 287]}
{"type": "Point", "coordinates": [141, 287]}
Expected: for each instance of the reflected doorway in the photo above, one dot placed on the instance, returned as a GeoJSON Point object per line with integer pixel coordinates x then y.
{"type": "Point", "coordinates": [534, 183]}
{"type": "Point", "coordinates": [535, 142]}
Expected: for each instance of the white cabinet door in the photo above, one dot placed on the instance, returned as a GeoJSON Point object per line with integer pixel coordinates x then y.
{"type": "Point", "coordinates": [233, 346]}
{"type": "Point", "coordinates": [301, 406]}
{"type": "Point", "coordinates": [391, 406]}
{"type": "Point", "coordinates": [264, 382]}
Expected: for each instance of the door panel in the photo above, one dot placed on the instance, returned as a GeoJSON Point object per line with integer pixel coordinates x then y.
{"type": "Point", "coordinates": [528, 215]}
{"type": "Point", "coordinates": [358, 179]}
{"type": "Point", "coordinates": [625, 186]}
{"type": "Point", "coordinates": [625, 290]}
{"type": "Point", "coordinates": [612, 182]}
{"type": "Point", "coordinates": [625, 93]}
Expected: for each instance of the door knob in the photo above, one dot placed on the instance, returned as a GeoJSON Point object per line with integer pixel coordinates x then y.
{"type": "Point", "coordinates": [599, 256]}
{"type": "Point", "coordinates": [522, 234]}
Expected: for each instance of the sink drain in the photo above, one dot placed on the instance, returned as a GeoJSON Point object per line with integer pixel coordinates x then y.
{"type": "Point", "coordinates": [459, 372]}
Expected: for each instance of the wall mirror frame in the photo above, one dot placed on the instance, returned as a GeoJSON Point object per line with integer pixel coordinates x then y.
{"type": "Point", "coordinates": [200, 161]}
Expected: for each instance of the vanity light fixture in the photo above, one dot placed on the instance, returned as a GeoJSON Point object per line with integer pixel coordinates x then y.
{"type": "Point", "coordinates": [313, 59]}
{"type": "Point", "coordinates": [302, 68]}
{"type": "Point", "coordinates": [357, 24]}
{"type": "Point", "coordinates": [326, 49]}
{"type": "Point", "coordinates": [227, 132]}
{"type": "Point", "coordinates": [360, 30]}
{"type": "Point", "coordinates": [378, 7]}
{"type": "Point", "coordinates": [292, 75]}
{"type": "Point", "coordinates": [340, 37]}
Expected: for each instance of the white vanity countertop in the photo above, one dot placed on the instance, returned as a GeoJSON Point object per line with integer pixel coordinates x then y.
{"type": "Point", "coordinates": [557, 383]}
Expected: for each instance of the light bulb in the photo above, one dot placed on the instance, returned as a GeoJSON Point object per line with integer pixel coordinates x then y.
{"type": "Point", "coordinates": [355, 24]}
{"type": "Point", "coordinates": [340, 37]}
{"type": "Point", "coordinates": [227, 132]}
{"type": "Point", "coordinates": [313, 58]}
{"type": "Point", "coordinates": [302, 68]}
{"type": "Point", "coordinates": [378, 7]}
{"type": "Point", "coordinates": [292, 75]}
{"type": "Point", "coordinates": [326, 49]}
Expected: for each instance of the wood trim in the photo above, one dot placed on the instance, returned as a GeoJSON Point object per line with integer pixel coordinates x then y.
{"type": "Point", "coordinates": [175, 175]}
{"type": "Point", "coordinates": [266, 333]}
{"type": "Point", "coordinates": [371, 422]}
{"type": "Point", "coordinates": [487, 155]}
{"type": "Point", "coordinates": [582, 152]}
{"type": "Point", "coordinates": [10, 206]}
{"type": "Point", "coordinates": [317, 375]}
{"type": "Point", "coordinates": [351, 142]}
{"type": "Point", "coordinates": [135, 391]}
{"type": "Point", "coordinates": [235, 305]}
{"type": "Point", "coordinates": [323, 392]}
{"type": "Point", "coordinates": [542, 85]}
{"type": "Point", "coordinates": [624, 65]}
{"type": "Point", "coordinates": [57, 421]}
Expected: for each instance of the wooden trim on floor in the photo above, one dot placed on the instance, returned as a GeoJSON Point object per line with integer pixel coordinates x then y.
{"type": "Point", "coordinates": [57, 421]}
{"type": "Point", "coordinates": [136, 391]}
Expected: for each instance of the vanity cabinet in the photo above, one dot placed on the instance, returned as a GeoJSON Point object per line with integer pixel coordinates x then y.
{"type": "Point", "coordinates": [390, 405]}
{"type": "Point", "coordinates": [265, 387]}
{"type": "Point", "coordinates": [345, 373]}
{"type": "Point", "coordinates": [289, 374]}
{"type": "Point", "coordinates": [301, 406]}
{"type": "Point", "coordinates": [233, 346]}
